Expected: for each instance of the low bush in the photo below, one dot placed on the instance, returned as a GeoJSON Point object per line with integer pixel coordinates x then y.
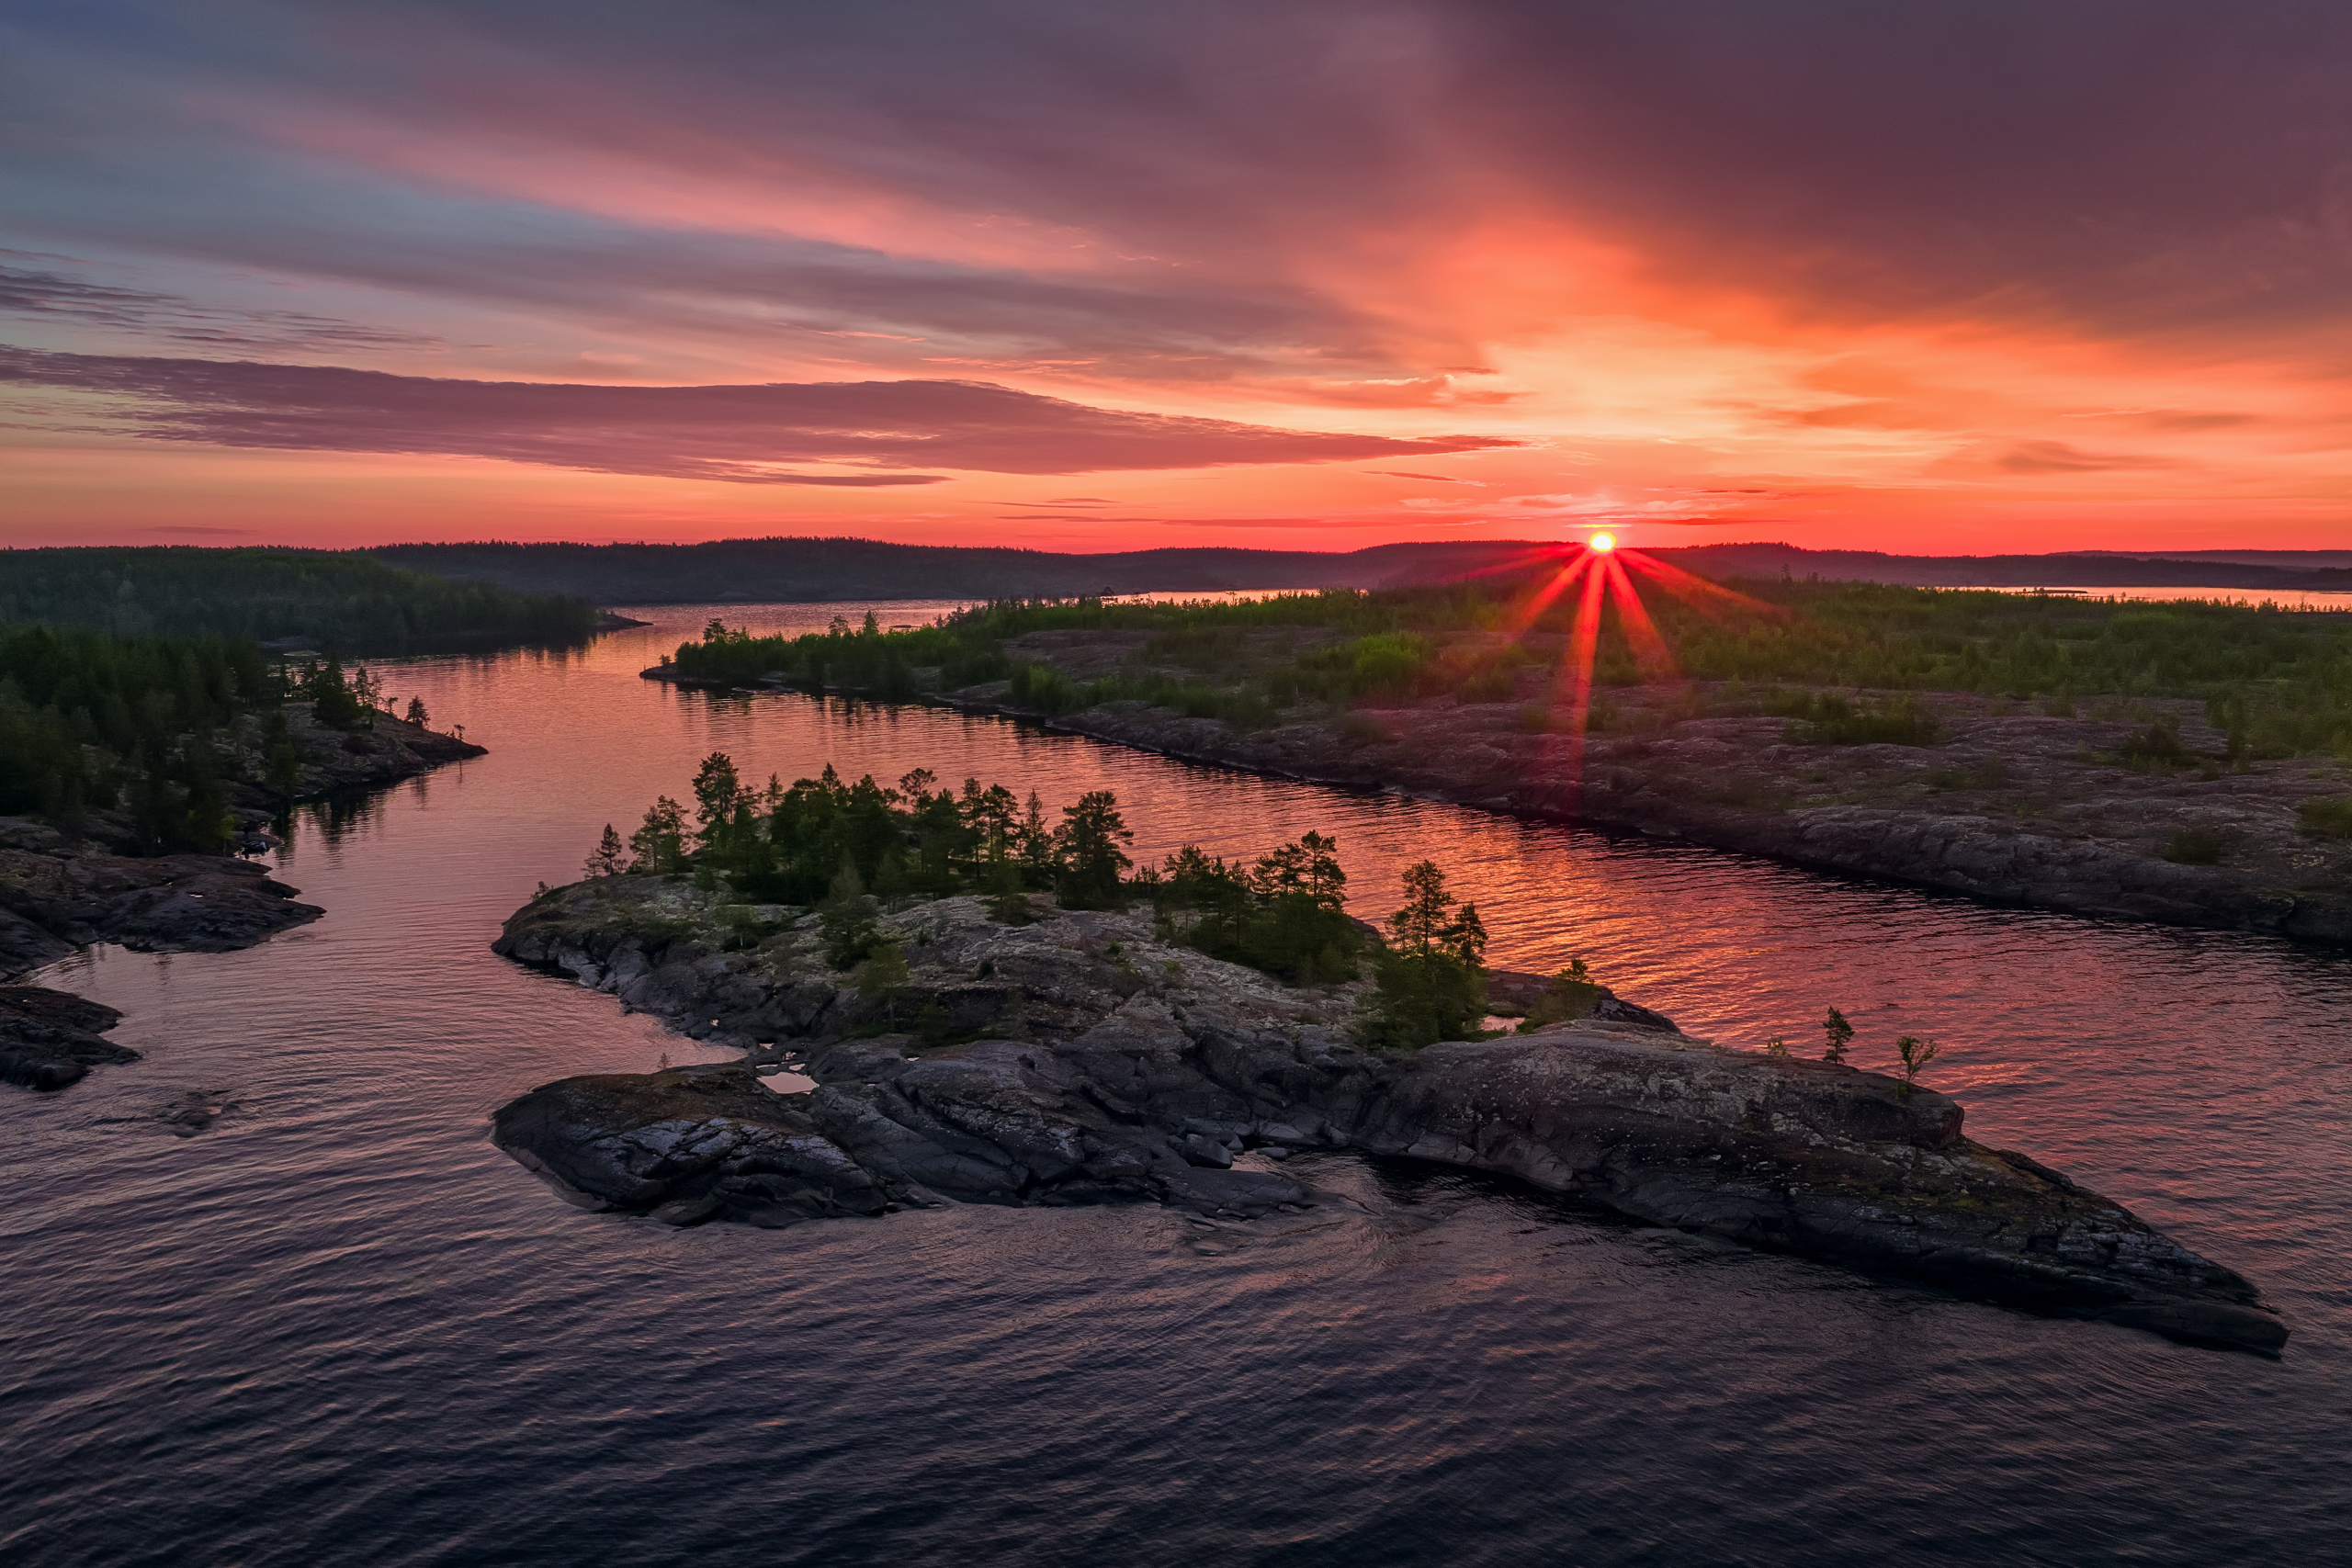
{"type": "Point", "coordinates": [2327, 818]}
{"type": "Point", "coordinates": [2157, 749]}
{"type": "Point", "coordinates": [1570, 996]}
{"type": "Point", "coordinates": [2195, 846]}
{"type": "Point", "coordinates": [1824, 719]}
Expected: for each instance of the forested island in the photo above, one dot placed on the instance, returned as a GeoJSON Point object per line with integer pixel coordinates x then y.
{"type": "Point", "coordinates": [959, 995]}
{"type": "Point", "coordinates": [343, 602]}
{"type": "Point", "coordinates": [2184, 763]}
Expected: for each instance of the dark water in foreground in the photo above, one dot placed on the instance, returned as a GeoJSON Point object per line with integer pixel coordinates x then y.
{"type": "Point", "coordinates": [343, 1328]}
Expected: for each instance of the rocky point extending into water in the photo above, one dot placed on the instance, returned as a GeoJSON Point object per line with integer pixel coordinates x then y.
{"type": "Point", "coordinates": [1082, 1058]}
{"type": "Point", "coordinates": [58, 894]}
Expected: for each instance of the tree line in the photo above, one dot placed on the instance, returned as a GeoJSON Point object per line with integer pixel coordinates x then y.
{"type": "Point", "coordinates": [844, 847]}
{"type": "Point", "coordinates": [341, 599]}
{"type": "Point", "coordinates": [89, 722]}
{"type": "Point", "coordinates": [149, 725]}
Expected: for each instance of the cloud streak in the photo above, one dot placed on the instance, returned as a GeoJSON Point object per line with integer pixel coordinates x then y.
{"type": "Point", "coordinates": [737, 434]}
{"type": "Point", "coordinates": [57, 298]}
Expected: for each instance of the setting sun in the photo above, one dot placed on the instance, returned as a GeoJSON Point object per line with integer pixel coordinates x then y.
{"type": "Point", "coordinates": [1604, 543]}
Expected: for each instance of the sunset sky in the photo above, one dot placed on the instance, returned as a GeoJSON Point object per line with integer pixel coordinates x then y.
{"type": "Point", "coordinates": [1921, 277]}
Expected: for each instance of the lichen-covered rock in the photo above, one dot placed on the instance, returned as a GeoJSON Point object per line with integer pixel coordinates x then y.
{"type": "Point", "coordinates": [687, 1145]}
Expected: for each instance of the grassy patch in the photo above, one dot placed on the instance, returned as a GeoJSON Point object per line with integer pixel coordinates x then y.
{"type": "Point", "coordinates": [2327, 818]}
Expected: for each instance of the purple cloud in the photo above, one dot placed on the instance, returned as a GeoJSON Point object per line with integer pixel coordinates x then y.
{"type": "Point", "coordinates": [735, 434]}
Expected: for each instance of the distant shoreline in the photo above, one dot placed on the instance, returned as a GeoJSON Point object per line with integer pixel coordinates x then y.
{"type": "Point", "coordinates": [830, 571]}
{"type": "Point", "coordinates": [1475, 755]}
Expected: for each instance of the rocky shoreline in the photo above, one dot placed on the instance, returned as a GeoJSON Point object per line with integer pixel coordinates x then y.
{"type": "Point", "coordinates": [60, 892]}
{"type": "Point", "coordinates": [2011, 806]}
{"type": "Point", "coordinates": [1081, 1058]}
{"type": "Point", "coordinates": [58, 895]}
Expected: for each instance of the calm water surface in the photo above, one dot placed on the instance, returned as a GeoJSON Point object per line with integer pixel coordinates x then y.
{"type": "Point", "coordinates": [342, 1328]}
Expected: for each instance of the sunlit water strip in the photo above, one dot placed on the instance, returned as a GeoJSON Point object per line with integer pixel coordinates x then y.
{"type": "Point", "coordinates": [2295, 599]}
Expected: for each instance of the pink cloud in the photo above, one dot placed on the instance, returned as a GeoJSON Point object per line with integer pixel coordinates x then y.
{"type": "Point", "coordinates": [738, 433]}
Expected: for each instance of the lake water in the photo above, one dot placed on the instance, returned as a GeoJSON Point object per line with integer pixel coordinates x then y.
{"type": "Point", "coordinates": [2300, 599]}
{"type": "Point", "coordinates": [342, 1328]}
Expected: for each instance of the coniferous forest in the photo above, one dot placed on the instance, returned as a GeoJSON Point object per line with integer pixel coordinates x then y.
{"type": "Point", "coordinates": [132, 679]}
{"type": "Point", "coordinates": [847, 848]}
{"type": "Point", "coordinates": [158, 729]}
{"type": "Point", "coordinates": [339, 600]}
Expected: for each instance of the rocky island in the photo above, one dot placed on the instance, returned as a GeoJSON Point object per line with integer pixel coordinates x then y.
{"type": "Point", "coordinates": [1034, 1054]}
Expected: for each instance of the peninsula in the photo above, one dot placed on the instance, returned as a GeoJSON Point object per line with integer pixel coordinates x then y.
{"type": "Point", "coordinates": [2179, 763]}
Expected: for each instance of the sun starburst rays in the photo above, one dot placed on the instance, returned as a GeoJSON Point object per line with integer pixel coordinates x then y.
{"type": "Point", "coordinates": [1610, 576]}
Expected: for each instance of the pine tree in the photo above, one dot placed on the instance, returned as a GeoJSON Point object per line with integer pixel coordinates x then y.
{"type": "Point", "coordinates": [1840, 1036]}
{"type": "Point", "coordinates": [416, 712]}
{"type": "Point", "coordinates": [845, 920]}
{"type": "Point", "coordinates": [1008, 903]}
{"type": "Point", "coordinates": [332, 702]}
{"type": "Point", "coordinates": [1037, 856]}
{"type": "Point", "coordinates": [1088, 845]}
{"type": "Point", "coordinates": [1325, 882]}
{"type": "Point", "coordinates": [610, 857]}
{"type": "Point", "coordinates": [1431, 984]}
{"type": "Point", "coordinates": [1420, 925]}
{"type": "Point", "coordinates": [884, 976]}
{"type": "Point", "coordinates": [718, 792]}
{"type": "Point", "coordinates": [659, 844]}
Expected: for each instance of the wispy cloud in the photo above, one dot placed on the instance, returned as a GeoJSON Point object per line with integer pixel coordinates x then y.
{"type": "Point", "coordinates": [738, 433]}
{"type": "Point", "coordinates": [60, 298]}
{"type": "Point", "coordinates": [2058, 457]}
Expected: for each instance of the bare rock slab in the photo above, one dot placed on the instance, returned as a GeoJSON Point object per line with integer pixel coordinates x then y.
{"type": "Point", "coordinates": [1141, 1070]}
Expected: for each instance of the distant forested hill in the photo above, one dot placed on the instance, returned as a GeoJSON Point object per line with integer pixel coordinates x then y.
{"type": "Point", "coordinates": [343, 600]}
{"type": "Point", "coordinates": [759, 570]}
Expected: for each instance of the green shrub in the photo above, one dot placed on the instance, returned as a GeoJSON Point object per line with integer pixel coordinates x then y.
{"type": "Point", "coordinates": [2157, 749]}
{"type": "Point", "coordinates": [1824, 719]}
{"type": "Point", "coordinates": [2195, 846]}
{"type": "Point", "coordinates": [1048, 690]}
{"type": "Point", "coordinates": [1387, 664]}
{"type": "Point", "coordinates": [1570, 996]}
{"type": "Point", "coordinates": [2327, 818]}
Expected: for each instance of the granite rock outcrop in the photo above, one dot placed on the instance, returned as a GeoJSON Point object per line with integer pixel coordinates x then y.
{"type": "Point", "coordinates": [1095, 1061]}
